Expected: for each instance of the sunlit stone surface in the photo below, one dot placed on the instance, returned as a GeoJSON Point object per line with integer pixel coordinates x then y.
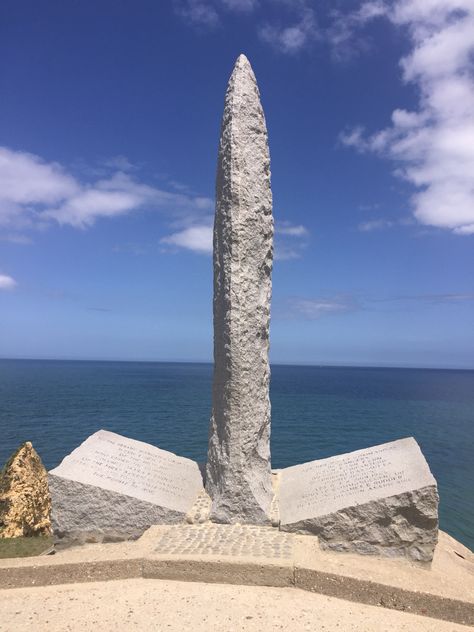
{"type": "Point", "coordinates": [380, 501]}
{"type": "Point", "coordinates": [238, 468]}
{"type": "Point", "coordinates": [113, 488]}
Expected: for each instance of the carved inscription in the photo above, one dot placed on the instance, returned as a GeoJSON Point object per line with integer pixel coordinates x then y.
{"type": "Point", "coordinates": [321, 487]}
{"type": "Point", "coordinates": [135, 469]}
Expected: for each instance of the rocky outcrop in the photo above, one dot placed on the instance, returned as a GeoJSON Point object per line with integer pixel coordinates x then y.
{"type": "Point", "coordinates": [25, 502]}
{"type": "Point", "coordinates": [238, 476]}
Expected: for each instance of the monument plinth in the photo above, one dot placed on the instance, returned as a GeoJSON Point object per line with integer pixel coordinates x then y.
{"type": "Point", "coordinates": [238, 477]}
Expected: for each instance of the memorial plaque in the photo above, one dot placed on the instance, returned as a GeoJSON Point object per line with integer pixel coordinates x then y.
{"type": "Point", "coordinates": [378, 500]}
{"type": "Point", "coordinates": [115, 486]}
{"type": "Point", "coordinates": [133, 468]}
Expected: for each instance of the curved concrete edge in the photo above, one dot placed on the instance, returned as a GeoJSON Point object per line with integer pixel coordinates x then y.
{"type": "Point", "coordinates": [397, 587]}
{"type": "Point", "coordinates": [69, 573]}
{"type": "Point", "coordinates": [241, 573]}
{"type": "Point", "coordinates": [219, 571]}
{"type": "Point", "coordinates": [392, 597]}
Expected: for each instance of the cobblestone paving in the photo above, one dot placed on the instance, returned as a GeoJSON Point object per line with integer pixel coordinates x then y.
{"type": "Point", "coordinates": [234, 540]}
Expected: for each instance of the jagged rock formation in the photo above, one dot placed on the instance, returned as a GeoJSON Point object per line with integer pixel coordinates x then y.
{"type": "Point", "coordinates": [238, 476]}
{"type": "Point", "coordinates": [25, 502]}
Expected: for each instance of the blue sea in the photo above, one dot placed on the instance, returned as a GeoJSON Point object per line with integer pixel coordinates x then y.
{"type": "Point", "coordinates": [316, 412]}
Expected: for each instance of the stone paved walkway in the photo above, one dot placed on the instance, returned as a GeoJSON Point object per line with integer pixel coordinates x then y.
{"type": "Point", "coordinates": [233, 540]}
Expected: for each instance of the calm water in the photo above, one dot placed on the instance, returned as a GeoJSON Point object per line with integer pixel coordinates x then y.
{"type": "Point", "coordinates": [316, 412]}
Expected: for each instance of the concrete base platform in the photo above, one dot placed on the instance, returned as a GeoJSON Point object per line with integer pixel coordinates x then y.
{"type": "Point", "coordinates": [149, 605]}
{"type": "Point", "coordinates": [262, 556]}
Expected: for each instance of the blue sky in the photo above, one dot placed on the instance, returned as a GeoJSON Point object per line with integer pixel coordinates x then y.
{"type": "Point", "coordinates": [109, 123]}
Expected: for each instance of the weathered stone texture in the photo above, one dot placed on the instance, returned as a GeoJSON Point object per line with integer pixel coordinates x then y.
{"type": "Point", "coordinates": [238, 469]}
{"type": "Point", "coordinates": [379, 501]}
{"type": "Point", "coordinates": [399, 526]}
{"type": "Point", "coordinates": [25, 502]}
{"type": "Point", "coordinates": [86, 513]}
{"type": "Point", "coordinates": [114, 488]}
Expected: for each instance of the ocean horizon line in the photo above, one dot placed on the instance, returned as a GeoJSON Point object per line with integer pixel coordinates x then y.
{"type": "Point", "coordinates": [322, 365]}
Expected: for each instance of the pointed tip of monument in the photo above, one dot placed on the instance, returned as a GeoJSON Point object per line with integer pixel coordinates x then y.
{"type": "Point", "coordinates": [243, 68]}
{"type": "Point", "coordinates": [243, 64]}
{"type": "Point", "coordinates": [242, 60]}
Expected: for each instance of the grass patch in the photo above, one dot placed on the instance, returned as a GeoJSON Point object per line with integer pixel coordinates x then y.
{"type": "Point", "coordinates": [25, 547]}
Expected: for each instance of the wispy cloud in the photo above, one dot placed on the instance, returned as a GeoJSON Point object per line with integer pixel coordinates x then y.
{"type": "Point", "coordinates": [122, 163]}
{"type": "Point", "coordinates": [296, 28]}
{"type": "Point", "coordinates": [240, 5]}
{"type": "Point", "coordinates": [205, 14]}
{"type": "Point", "coordinates": [313, 308]}
{"type": "Point", "coordinates": [292, 230]}
{"type": "Point", "coordinates": [369, 207]}
{"type": "Point", "coordinates": [7, 282]}
{"type": "Point", "coordinates": [35, 193]}
{"type": "Point", "coordinates": [198, 13]}
{"type": "Point", "coordinates": [291, 240]}
{"type": "Point", "coordinates": [294, 35]}
{"type": "Point", "coordinates": [448, 298]}
{"type": "Point", "coordinates": [375, 224]}
{"type": "Point", "coordinates": [343, 33]}
{"type": "Point", "coordinates": [433, 146]}
{"type": "Point", "coordinates": [16, 238]}
{"type": "Point", "coordinates": [318, 307]}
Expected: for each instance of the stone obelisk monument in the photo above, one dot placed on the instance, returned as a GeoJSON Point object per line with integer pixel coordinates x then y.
{"type": "Point", "coordinates": [238, 477]}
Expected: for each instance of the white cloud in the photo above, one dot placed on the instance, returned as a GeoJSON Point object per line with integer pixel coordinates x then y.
{"type": "Point", "coordinates": [198, 13]}
{"type": "Point", "coordinates": [296, 29]}
{"type": "Point", "coordinates": [122, 163]}
{"type": "Point", "coordinates": [206, 13]}
{"type": "Point", "coordinates": [292, 230]}
{"type": "Point", "coordinates": [195, 238]}
{"type": "Point", "coordinates": [314, 308]}
{"type": "Point", "coordinates": [438, 298]}
{"type": "Point", "coordinates": [290, 240]}
{"type": "Point", "coordinates": [286, 252]}
{"type": "Point", "coordinates": [375, 224]}
{"type": "Point", "coordinates": [16, 238]}
{"type": "Point", "coordinates": [433, 146]}
{"type": "Point", "coordinates": [7, 282]}
{"type": "Point", "coordinates": [293, 37]}
{"type": "Point", "coordinates": [106, 198]}
{"type": "Point", "coordinates": [240, 5]}
{"type": "Point", "coordinates": [26, 180]}
{"type": "Point", "coordinates": [35, 193]}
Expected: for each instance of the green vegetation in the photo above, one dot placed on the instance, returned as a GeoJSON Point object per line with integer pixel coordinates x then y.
{"type": "Point", "coordinates": [24, 546]}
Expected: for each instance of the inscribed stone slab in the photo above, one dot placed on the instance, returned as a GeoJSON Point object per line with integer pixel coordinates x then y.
{"type": "Point", "coordinates": [133, 468]}
{"type": "Point", "coordinates": [378, 500]}
{"type": "Point", "coordinates": [117, 487]}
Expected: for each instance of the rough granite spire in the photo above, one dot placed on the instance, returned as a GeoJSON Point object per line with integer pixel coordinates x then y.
{"type": "Point", "coordinates": [238, 467]}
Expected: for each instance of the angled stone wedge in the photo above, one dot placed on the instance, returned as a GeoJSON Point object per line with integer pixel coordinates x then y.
{"type": "Point", "coordinates": [238, 476]}
{"type": "Point", "coordinates": [378, 501]}
{"type": "Point", "coordinates": [114, 488]}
